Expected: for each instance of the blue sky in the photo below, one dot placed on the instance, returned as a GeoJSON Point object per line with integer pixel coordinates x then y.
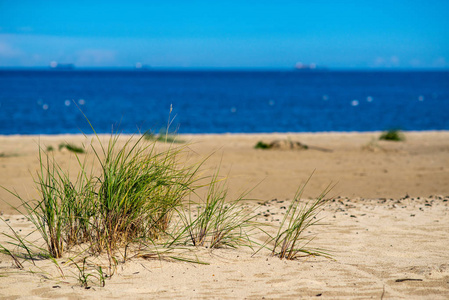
{"type": "Point", "coordinates": [225, 34]}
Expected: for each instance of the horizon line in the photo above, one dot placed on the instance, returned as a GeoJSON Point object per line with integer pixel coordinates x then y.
{"type": "Point", "coordinates": [150, 69]}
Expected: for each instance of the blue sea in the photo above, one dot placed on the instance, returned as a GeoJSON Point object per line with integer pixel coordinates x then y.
{"type": "Point", "coordinates": [131, 101]}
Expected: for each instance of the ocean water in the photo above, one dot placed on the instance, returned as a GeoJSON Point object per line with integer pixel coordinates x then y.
{"type": "Point", "coordinates": [130, 101]}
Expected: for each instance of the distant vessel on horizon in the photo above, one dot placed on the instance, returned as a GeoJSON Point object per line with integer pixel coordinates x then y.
{"type": "Point", "coordinates": [57, 66]}
{"type": "Point", "coordinates": [140, 66]}
{"type": "Point", "coordinates": [308, 67]}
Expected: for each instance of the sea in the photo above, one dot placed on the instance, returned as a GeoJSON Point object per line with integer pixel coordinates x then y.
{"type": "Point", "coordinates": [41, 101]}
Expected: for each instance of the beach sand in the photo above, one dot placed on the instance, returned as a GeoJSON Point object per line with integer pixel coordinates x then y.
{"type": "Point", "coordinates": [386, 227]}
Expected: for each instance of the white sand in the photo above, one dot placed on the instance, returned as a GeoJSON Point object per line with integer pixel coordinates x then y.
{"type": "Point", "coordinates": [377, 237]}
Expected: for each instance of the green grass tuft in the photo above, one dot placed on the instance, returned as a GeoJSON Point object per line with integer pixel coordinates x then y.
{"type": "Point", "coordinates": [262, 145]}
{"type": "Point", "coordinates": [130, 202]}
{"type": "Point", "coordinates": [292, 238]}
{"type": "Point", "coordinates": [6, 155]}
{"type": "Point", "coordinates": [71, 148]}
{"type": "Point", "coordinates": [392, 135]}
{"type": "Point", "coordinates": [217, 222]}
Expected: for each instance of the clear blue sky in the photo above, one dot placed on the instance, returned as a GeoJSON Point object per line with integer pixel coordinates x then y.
{"type": "Point", "coordinates": [225, 34]}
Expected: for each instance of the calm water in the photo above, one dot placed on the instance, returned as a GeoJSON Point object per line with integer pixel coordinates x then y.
{"type": "Point", "coordinates": [41, 102]}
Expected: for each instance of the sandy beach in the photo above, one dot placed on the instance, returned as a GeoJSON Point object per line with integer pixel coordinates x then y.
{"type": "Point", "coordinates": [385, 226]}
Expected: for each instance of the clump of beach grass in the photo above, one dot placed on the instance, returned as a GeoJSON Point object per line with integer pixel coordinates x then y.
{"type": "Point", "coordinates": [6, 155]}
{"type": "Point", "coordinates": [216, 222]}
{"type": "Point", "coordinates": [130, 202]}
{"type": "Point", "coordinates": [86, 277]}
{"type": "Point", "coordinates": [138, 192]}
{"type": "Point", "coordinates": [69, 147]}
{"type": "Point", "coordinates": [262, 145]}
{"type": "Point", "coordinates": [392, 135]}
{"type": "Point", "coordinates": [292, 239]}
{"type": "Point", "coordinates": [133, 198]}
